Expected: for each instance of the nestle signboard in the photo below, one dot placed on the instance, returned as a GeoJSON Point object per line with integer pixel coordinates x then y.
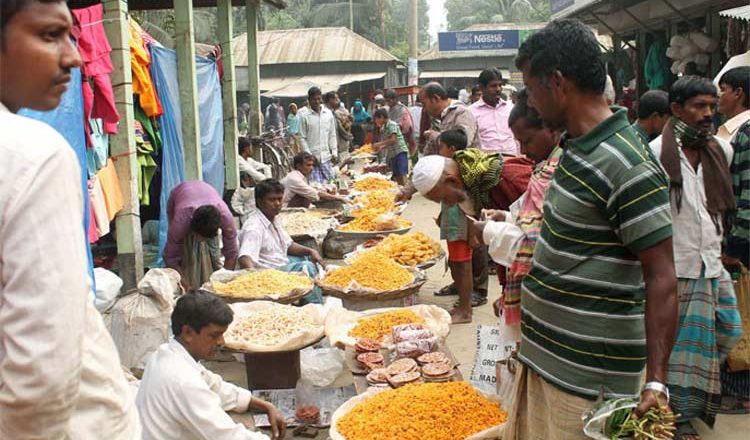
{"type": "Point", "coordinates": [477, 40]}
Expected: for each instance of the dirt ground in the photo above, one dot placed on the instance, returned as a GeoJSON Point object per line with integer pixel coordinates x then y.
{"type": "Point", "coordinates": [462, 339]}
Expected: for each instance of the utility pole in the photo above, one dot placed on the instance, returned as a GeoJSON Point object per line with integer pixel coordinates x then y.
{"type": "Point", "coordinates": [351, 15]}
{"type": "Point", "coordinates": [413, 70]}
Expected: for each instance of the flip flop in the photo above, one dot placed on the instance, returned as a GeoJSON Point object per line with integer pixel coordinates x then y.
{"type": "Point", "coordinates": [448, 290]}
{"type": "Point", "coordinates": [476, 300]}
{"type": "Point", "coordinates": [686, 428]}
{"type": "Point", "coordinates": [733, 405]}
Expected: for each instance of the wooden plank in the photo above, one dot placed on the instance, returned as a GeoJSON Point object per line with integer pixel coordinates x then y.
{"type": "Point", "coordinates": [228, 96]}
{"type": "Point", "coordinates": [186, 76]}
{"type": "Point", "coordinates": [122, 145]}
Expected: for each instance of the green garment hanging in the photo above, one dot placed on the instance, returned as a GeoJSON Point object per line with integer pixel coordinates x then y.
{"type": "Point", "coordinates": [147, 141]}
{"type": "Point", "coordinates": [656, 67]}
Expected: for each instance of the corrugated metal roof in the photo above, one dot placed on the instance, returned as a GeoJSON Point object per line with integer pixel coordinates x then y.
{"type": "Point", "coordinates": [743, 13]}
{"type": "Point", "coordinates": [293, 87]}
{"type": "Point", "coordinates": [314, 45]}
{"type": "Point", "coordinates": [458, 74]}
{"type": "Point", "coordinates": [505, 26]}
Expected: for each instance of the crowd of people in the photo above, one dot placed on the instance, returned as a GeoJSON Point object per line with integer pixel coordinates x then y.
{"type": "Point", "coordinates": [613, 240]}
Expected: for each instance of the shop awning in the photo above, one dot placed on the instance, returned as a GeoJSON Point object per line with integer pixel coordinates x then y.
{"type": "Point", "coordinates": [742, 13]}
{"type": "Point", "coordinates": [296, 86]}
{"type": "Point", "coordinates": [457, 74]}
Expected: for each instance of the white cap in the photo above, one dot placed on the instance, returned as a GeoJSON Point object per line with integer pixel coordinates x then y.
{"type": "Point", "coordinates": [427, 172]}
{"type": "Point", "coordinates": [379, 97]}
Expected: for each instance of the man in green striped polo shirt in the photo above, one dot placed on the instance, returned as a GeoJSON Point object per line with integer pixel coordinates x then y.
{"type": "Point", "coordinates": [599, 303]}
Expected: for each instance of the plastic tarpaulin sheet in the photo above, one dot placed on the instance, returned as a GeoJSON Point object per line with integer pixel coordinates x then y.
{"type": "Point", "coordinates": [67, 119]}
{"type": "Point", "coordinates": [164, 75]}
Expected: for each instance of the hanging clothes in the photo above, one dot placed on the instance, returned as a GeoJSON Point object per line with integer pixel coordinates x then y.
{"type": "Point", "coordinates": [98, 208]}
{"type": "Point", "coordinates": [140, 62]}
{"type": "Point", "coordinates": [656, 67]}
{"type": "Point", "coordinates": [111, 188]}
{"type": "Point", "coordinates": [94, 48]}
{"type": "Point", "coordinates": [146, 163]}
{"type": "Point", "coordinates": [96, 156]}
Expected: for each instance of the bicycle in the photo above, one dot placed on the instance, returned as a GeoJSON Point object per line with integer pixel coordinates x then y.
{"type": "Point", "coordinates": [274, 152]}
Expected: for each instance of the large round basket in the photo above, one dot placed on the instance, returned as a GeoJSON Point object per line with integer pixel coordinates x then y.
{"type": "Point", "coordinates": [421, 266]}
{"type": "Point", "coordinates": [287, 298]}
{"type": "Point", "coordinates": [371, 234]}
{"type": "Point", "coordinates": [369, 295]}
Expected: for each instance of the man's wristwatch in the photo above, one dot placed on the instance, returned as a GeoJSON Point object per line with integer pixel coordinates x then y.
{"type": "Point", "coordinates": [658, 387]}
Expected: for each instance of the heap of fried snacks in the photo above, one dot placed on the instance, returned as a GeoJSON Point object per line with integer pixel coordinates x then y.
{"type": "Point", "coordinates": [373, 183]}
{"type": "Point", "coordinates": [373, 220]}
{"type": "Point", "coordinates": [363, 150]}
{"type": "Point", "coordinates": [409, 249]}
{"type": "Point", "coordinates": [434, 411]}
{"type": "Point", "coordinates": [263, 283]}
{"type": "Point", "coordinates": [302, 223]}
{"type": "Point", "coordinates": [382, 200]}
{"type": "Point", "coordinates": [269, 327]}
{"type": "Point", "coordinates": [378, 326]}
{"type": "Point", "coordinates": [371, 270]}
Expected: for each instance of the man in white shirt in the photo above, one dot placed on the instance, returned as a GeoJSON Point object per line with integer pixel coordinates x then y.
{"type": "Point", "coordinates": [264, 244]}
{"type": "Point", "coordinates": [178, 398]}
{"type": "Point", "coordinates": [298, 193]}
{"type": "Point", "coordinates": [60, 375]}
{"type": "Point", "coordinates": [701, 196]}
{"type": "Point", "coordinates": [734, 102]}
{"type": "Point", "coordinates": [318, 132]}
{"type": "Point", "coordinates": [243, 199]}
{"type": "Point", "coordinates": [256, 170]}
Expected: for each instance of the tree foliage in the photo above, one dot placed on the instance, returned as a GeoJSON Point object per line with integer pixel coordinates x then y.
{"type": "Point", "coordinates": [465, 13]}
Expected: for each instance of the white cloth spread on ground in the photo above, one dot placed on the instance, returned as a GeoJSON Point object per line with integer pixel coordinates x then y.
{"type": "Point", "coordinates": [60, 376]}
{"type": "Point", "coordinates": [179, 399]}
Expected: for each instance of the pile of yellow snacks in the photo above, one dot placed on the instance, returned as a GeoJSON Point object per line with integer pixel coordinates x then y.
{"type": "Point", "coordinates": [263, 283]}
{"type": "Point", "coordinates": [373, 183]}
{"type": "Point", "coordinates": [381, 200]}
{"type": "Point", "coordinates": [434, 411]}
{"type": "Point", "coordinates": [364, 149]}
{"type": "Point", "coordinates": [370, 220]}
{"type": "Point", "coordinates": [371, 270]}
{"type": "Point", "coordinates": [378, 326]}
{"type": "Point", "coordinates": [409, 249]}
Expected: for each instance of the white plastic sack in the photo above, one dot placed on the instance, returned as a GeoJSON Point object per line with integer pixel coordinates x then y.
{"type": "Point", "coordinates": [673, 52]}
{"type": "Point", "coordinates": [689, 50]}
{"type": "Point", "coordinates": [493, 371]}
{"type": "Point", "coordinates": [140, 321]}
{"type": "Point", "coordinates": [321, 366]}
{"type": "Point", "coordinates": [702, 59]}
{"type": "Point", "coordinates": [108, 286]}
{"type": "Point", "coordinates": [679, 41]}
{"type": "Point", "coordinates": [701, 40]}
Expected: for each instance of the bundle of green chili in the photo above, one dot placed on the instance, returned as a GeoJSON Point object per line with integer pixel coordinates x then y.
{"type": "Point", "coordinates": [613, 419]}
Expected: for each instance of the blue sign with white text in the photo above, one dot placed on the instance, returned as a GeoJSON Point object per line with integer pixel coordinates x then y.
{"type": "Point", "coordinates": [477, 40]}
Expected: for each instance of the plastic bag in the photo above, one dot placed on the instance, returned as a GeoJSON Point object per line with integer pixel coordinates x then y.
{"type": "Point", "coordinates": [140, 321]}
{"type": "Point", "coordinates": [108, 286]}
{"type": "Point", "coordinates": [493, 371]}
{"type": "Point", "coordinates": [321, 366]}
{"type": "Point", "coordinates": [595, 421]}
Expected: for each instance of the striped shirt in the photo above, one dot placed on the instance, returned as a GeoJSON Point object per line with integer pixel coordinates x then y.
{"type": "Point", "coordinates": [583, 301]}
{"type": "Point", "coordinates": [738, 239]}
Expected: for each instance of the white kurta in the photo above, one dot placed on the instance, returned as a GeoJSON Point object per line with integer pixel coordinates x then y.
{"type": "Point", "coordinates": [696, 243]}
{"type": "Point", "coordinates": [60, 376]}
{"type": "Point", "coordinates": [179, 399]}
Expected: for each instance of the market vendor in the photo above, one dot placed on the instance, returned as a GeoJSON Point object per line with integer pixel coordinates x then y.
{"type": "Point", "coordinates": [393, 147]}
{"type": "Point", "coordinates": [257, 170]}
{"type": "Point", "coordinates": [196, 212]}
{"type": "Point", "coordinates": [264, 244]}
{"type": "Point", "coordinates": [298, 193]}
{"type": "Point", "coordinates": [461, 185]}
{"type": "Point", "coordinates": [180, 399]}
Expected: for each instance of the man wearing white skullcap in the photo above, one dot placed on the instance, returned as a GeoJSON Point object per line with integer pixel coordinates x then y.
{"type": "Point", "coordinates": [438, 178]}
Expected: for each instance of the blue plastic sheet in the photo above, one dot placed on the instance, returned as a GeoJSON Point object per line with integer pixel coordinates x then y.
{"type": "Point", "coordinates": [67, 119]}
{"type": "Point", "coordinates": [210, 112]}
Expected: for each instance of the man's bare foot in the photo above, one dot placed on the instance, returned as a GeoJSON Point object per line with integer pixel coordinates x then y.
{"type": "Point", "coordinates": [460, 316]}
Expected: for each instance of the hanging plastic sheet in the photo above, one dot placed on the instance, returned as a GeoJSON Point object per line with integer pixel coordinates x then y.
{"type": "Point", "coordinates": [68, 119]}
{"type": "Point", "coordinates": [211, 114]}
{"type": "Point", "coordinates": [164, 74]}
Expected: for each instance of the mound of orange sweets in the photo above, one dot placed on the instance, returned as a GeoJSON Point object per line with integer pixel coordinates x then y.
{"type": "Point", "coordinates": [381, 200]}
{"type": "Point", "coordinates": [378, 326]}
{"type": "Point", "coordinates": [373, 183]}
{"type": "Point", "coordinates": [373, 220]}
{"type": "Point", "coordinates": [371, 270]}
{"type": "Point", "coordinates": [363, 150]}
{"type": "Point", "coordinates": [434, 411]}
{"type": "Point", "coordinates": [409, 249]}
